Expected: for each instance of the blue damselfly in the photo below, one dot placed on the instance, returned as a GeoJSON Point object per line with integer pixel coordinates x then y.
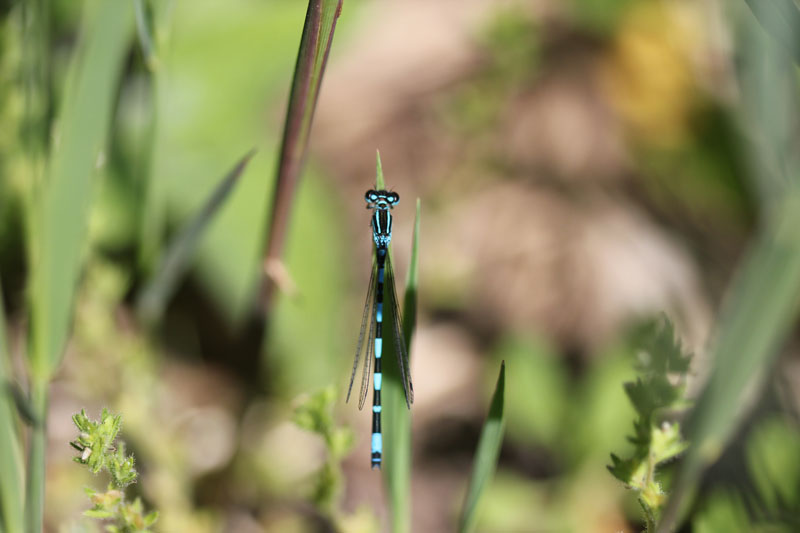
{"type": "Point", "coordinates": [381, 290]}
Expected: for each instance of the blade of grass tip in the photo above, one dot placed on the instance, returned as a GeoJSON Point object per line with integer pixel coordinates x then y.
{"type": "Point", "coordinates": [64, 211]}
{"type": "Point", "coordinates": [486, 456]}
{"type": "Point", "coordinates": [315, 45]}
{"type": "Point", "coordinates": [11, 475]}
{"type": "Point", "coordinates": [379, 181]}
{"type": "Point", "coordinates": [143, 31]}
{"type": "Point", "coordinates": [161, 287]}
{"type": "Point", "coordinates": [397, 427]}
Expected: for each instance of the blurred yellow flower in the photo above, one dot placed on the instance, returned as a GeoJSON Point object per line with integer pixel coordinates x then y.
{"type": "Point", "coordinates": [649, 74]}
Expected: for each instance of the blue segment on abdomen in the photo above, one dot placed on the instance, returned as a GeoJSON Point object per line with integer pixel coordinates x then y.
{"type": "Point", "coordinates": [377, 443]}
{"type": "Point", "coordinates": [379, 312]}
{"type": "Point", "coordinates": [378, 377]}
{"type": "Point", "coordinates": [378, 347]}
{"type": "Point", "coordinates": [376, 408]}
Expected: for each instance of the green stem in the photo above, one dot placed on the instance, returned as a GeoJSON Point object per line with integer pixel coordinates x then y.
{"type": "Point", "coordinates": [34, 505]}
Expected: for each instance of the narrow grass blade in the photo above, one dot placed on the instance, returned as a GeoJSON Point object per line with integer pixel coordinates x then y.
{"type": "Point", "coordinates": [64, 207]}
{"type": "Point", "coordinates": [487, 454]}
{"type": "Point", "coordinates": [380, 183]}
{"type": "Point", "coordinates": [315, 44]}
{"type": "Point", "coordinates": [11, 475]}
{"type": "Point", "coordinates": [63, 210]}
{"type": "Point", "coordinates": [176, 260]}
{"type": "Point", "coordinates": [397, 418]}
{"type": "Point", "coordinates": [145, 34]}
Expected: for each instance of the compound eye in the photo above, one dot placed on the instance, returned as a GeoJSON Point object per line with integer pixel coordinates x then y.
{"type": "Point", "coordinates": [371, 196]}
{"type": "Point", "coordinates": [393, 198]}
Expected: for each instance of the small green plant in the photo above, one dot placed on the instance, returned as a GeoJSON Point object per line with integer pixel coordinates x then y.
{"type": "Point", "coordinates": [98, 452]}
{"type": "Point", "coordinates": [315, 414]}
{"type": "Point", "coordinates": [658, 392]}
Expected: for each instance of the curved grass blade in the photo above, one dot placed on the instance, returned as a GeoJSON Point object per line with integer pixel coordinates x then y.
{"type": "Point", "coordinates": [315, 44]}
{"type": "Point", "coordinates": [161, 286]}
{"type": "Point", "coordinates": [397, 418]}
{"type": "Point", "coordinates": [11, 475]}
{"type": "Point", "coordinates": [486, 455]}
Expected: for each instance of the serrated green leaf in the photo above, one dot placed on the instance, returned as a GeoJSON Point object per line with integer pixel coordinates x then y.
{"type": "Point", "coordinates": [486, 455]}
{"type": "Point", "coordinates": [622, 469]}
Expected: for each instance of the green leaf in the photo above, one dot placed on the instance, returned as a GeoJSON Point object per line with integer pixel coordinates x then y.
{"type": "Point", "coordinates": [486, 457]}
{"type": "Point", "coordinates": [176, 260]}
{"type": "Point", "coordinates": [11, 475]}
{"type": "Point", "coordinates": [61, 216]}
{"type": "Point", "coordinates": [315, 44]}
{"type": "Point", "coordinates": [774, 464]}
{"type": "Point", "coordinates": [380, 183]}
{"type": "Point", "coordinates": [64, 208]}
{"type": "Point", "coordinates": [397, 419]}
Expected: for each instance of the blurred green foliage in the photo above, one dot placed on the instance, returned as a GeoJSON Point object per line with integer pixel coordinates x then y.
{"type": "Point", "coordinates": [202, 82]}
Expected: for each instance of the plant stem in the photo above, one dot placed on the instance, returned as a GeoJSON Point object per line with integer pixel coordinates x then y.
{"type": "Point", "coordinates": [34, 505]}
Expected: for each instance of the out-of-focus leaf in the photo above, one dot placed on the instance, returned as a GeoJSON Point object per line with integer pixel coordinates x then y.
{"type": "Point", "coordinates": [61, 216]}
{"type": "Point", "coordinates": [774, 465]}
{"type": "Point", "coordinates": [175, 263]}
{"type": "Point", "coordinates": [315, 44]}
{"type": "Point", "coordinates": [780, 19]}
{"type": "Point", "coordinates": [759, 313]}
{"type": "Point", "coordinates": [11, 476]}
{"type": "Point", "coordinates": [537, 391]}
{"type": "Point", "coordinates": [486, 456]}
{"type": "Point", "coordinates": [722, 512]}
{"type": "Point", "coordinates": [64, 207]}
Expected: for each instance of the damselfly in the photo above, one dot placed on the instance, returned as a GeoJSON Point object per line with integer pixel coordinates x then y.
{"type": "Point", "coordinates": [381, 290]}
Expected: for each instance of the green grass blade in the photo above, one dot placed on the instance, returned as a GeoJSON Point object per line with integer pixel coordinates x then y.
{"type": "Point", "coordinates": [11, 475]}
{"type": "Point", "coordinates": [397, 418]}
{"type": "Point", "coordinates": [380, 183]}
{"type": "Point", "coordinates": [487, 454]}
{"type": "Point", "coordinates": [176, 260]}
{"type": "Point", "coordinates": [64, 207]}
{"type": "Point", "coordinates": [315, 44]}
{"type": "Point", "coordinates": [63, 211]}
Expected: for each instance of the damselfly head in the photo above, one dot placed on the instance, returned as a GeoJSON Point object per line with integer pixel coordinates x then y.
{"type": "Point", "coordinates": [381, 199]}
